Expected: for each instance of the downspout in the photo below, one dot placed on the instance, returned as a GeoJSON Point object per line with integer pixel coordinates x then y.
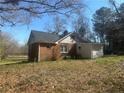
{"type": "Point", "coordinates": [38, 52]}
{"type": "Point", "coordinates": [91, 47]}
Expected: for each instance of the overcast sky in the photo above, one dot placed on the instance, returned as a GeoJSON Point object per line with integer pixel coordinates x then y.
{"type": "Point", "coordinates": [21, 33]}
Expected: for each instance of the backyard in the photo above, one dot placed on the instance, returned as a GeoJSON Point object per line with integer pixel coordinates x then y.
{"type": "Point", "coordinates": [102, 75]}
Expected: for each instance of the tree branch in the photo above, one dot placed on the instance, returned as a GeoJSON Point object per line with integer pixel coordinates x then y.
{"type": "Point", "coordinates": [7, 20]}
{"type": "Point", "coordinates": [36, 7]}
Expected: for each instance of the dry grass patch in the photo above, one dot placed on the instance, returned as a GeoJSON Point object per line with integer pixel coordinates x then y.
{"type": "Point", "coordinates": [71, 76]}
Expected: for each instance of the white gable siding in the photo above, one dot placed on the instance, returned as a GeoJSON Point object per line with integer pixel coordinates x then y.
{"type": "Point", "coordinates": [68, 40]}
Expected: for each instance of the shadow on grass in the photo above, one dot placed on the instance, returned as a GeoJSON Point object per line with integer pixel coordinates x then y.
{"type": "Point", "coordinates": [16, 63]}
{"type": "Point", "coordinates": [112, 55]}
{"type": "Point", "coordinates": [77, 58]}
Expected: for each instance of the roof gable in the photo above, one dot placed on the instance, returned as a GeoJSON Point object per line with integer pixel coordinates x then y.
{"type": "Point", "coordinates": [63, 37]}
{"type": "Point", "coordinates": [67, 40]}
{"type": "Point", "coordinates": [73, 38]}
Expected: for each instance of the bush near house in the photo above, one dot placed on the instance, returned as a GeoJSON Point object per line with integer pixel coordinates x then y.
{"type": "Point", "coordinates": [102, 75]}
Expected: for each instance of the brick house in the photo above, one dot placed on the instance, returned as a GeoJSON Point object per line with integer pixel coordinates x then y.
{"type": "Point", "coordinates": [47, 46]}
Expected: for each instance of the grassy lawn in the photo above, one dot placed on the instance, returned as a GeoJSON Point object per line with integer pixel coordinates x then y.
{"type": "Point", "coordinates": [13, 59]}
{"type": "Point", "coordinates": [110, 59]}
{"type": "Point", "coordinates": [102, 75]}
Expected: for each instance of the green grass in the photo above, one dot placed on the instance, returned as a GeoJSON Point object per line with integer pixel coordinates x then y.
{"type": "Point", "coordinates": [7, 62]}
{"type": "Point", "coordinates": [102, 75]}
{"type": "Point", "coordinates": [110, 59]}
{"type": "Point", "coordinates": [13, 59]}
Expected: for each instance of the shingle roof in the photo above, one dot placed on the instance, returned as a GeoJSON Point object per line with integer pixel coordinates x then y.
{"type": "Point", "coordinates": [45, 37]}
{"type": "Point", "coordinates": [38, 36]}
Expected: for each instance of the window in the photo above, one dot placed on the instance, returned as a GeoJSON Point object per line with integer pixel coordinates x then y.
{"type": "Point", "coordinates": [64, 49]}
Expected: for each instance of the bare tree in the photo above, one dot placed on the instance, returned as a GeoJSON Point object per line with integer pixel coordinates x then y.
{"type": "Point", "coordinates": [59, 26]}
{"type": "Point", "coordinates": [48, 28]}
{"type": "Point", "coordinates": [7, 45]}
{"type": "Point", "coordinates": [17, 11]}
{"type": "Point", "coordinates": [113, 3]}
{"type": "Point", "coordinates": [80, 25]}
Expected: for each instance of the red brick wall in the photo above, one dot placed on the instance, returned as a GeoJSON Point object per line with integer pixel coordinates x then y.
{"type": "Point", "coordinates": [49, 51]}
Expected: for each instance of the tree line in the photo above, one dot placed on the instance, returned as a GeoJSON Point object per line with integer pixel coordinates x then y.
{"type": "Point", "coordinates": [9, 46]}
{"type": "Point", "coordinates": [108, 24]}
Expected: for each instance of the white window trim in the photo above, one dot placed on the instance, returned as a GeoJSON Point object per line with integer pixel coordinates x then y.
{"type": "Point", "coordinates": [63, 46]}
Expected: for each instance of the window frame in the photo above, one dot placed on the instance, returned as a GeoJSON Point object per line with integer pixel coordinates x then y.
{"type": "Point", "coordinates": [63, 49]}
